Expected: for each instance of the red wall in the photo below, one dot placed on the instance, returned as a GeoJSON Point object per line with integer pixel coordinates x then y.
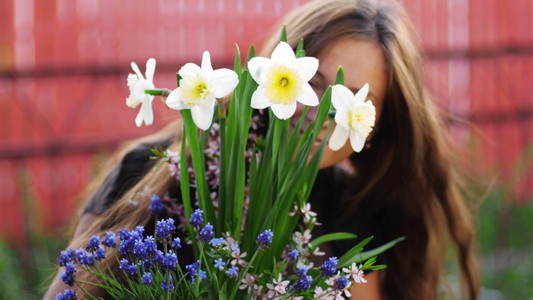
{"type": "Point", "coordinates": [63, 68]}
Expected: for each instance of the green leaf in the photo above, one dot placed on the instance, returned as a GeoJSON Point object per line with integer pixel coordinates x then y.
{"type": "Point", "coordinates": [340, 76]}
{"type": "Point", "coordinates": [251, 53]}
{"type": "Point", "coordinates": [300, 46]}
{"type": "Point", "coordinates": [237, 65]}
{"type": "Point", "coordinates": [178, 76]}
{"type": "Point", "coordinates": [283, 37]}
{"type": "Point", "coordinates": [322, 114]}
{"type": "Point", "coordinates": [197, 155]}
{"type": "Point", "coordinates": [354, 251]}
{"type": "Point", "coordinates": [347, 259]}
{"type": "Point", "coordinates": [332, 237]}
{"type": "Point", "coordinates": [184, 178]}
{"type": "Point", "coordinates": [300, 52]}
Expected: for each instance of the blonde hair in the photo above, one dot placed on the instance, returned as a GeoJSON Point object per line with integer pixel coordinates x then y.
{"type": "Point", "coordinates": [409, 169]}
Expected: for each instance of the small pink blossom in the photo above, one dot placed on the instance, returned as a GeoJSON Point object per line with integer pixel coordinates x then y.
{"type": "Point", "coordinates": [302, 239]}
{"type": "Point", "coordinates": [277, 288]}
{"type": "Point", "coordinates": [355, 273]}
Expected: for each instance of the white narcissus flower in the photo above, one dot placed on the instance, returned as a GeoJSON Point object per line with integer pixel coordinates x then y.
{"type": "Point", "coordinates": [283, 80]}
{"type": "Point", "coordinates": [198, 89]}
{"type": "Point", "coordinates": [138, 84]}
{"type": "Point", "coordinates": [355, 117]}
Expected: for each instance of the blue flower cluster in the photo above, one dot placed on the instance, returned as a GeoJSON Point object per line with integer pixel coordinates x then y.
{"type": "Point", "coordinates": [165, 230]}
{"type": "Point", "coordinates": [170, 261]}
{"type": "Point", "coordinates": [293, 254]}
{"type": "Point", "coordinates": [176, 244]}
{"type": "Point", "coordinates": [66, 256]}
{"type": "Point", "coordinates": [156, 206]}
{"type": "Point", "coordinates": [128, 239]}
{"type": "Point", "coordinates": [197, 219]}
{"type": "Point", "coordinates": [110, 240]}
{"type": "Point", "coordinates": [206, 234]}
{"type": "Point", "coordinates": [94, 243]}
{"type": "Point", "coordinates": [193, 268]}
{"type": "Point", "coordinates": [233, 271]}
{"type": "Point", "coordinates": [130, 269]}
{"type": "Point", "coordinates": [304, 281]}
{"type": "Point", "coordinates": [265, 238]}
{"type": "Point", "coordinates": [167, 284]}
{"type": "Point", "coordinates": [216, 242]}
{"type": "Point", "coordinates": [329, 267]}
{"type": "Point", "coordinates": [67, 295]}
{"type": "Point", "coordinates": [341, 283]}
{"type": "Point", "coordinates": [68, 276]}
{"type": "Point", "coordinates": [147, 278]}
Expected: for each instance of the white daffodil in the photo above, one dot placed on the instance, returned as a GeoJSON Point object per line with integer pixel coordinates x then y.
{"type": "Point", "coordinates": [138, 84]}
{"type": "Point", "coordinates": [355, 117]}
{"type": "Point", "coordinates": [283, 80]}
{"type": "Point", "coordinates": [198, 89]}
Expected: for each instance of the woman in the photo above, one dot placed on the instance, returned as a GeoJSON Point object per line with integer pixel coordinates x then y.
{"type": "Point", "coordinates": [404, 182]}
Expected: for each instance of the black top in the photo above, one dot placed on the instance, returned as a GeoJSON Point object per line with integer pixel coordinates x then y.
{"type": "Point", "coordinates": [328, 200]}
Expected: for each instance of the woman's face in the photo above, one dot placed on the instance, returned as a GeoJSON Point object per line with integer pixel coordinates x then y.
{"type": "Point", "coordinates": [362, 62]}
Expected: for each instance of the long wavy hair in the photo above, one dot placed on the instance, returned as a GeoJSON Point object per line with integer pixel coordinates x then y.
{"type": "Point", "coordinates": [409, 170]}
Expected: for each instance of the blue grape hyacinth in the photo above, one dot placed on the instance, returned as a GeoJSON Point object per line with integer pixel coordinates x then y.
{"type": "Point", "coordinates": [94, 244]}
{"type": "Point", "coordinates": [156, 206]}
{"type": "Point", "coordinates": [67, 295]}
{"type": "Point", "coordinates": [329, 267]}
{"type": "Point", "coordinates": [265, 238]}
{"type": "Point", "coordinates": [110, 240]}
{"type": "Point", "coordinates": [293, 254]}
{"type": "Point", "coordinates": [165, 230]}
{"type": "Point", "coordinates": [206, 234]}
{"type": "Point", "coordinates": [197, 219]}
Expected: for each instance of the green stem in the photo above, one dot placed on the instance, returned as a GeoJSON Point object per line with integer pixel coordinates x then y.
{"type": "Point", "coordinates": [83, 290]}
{"type": "Point", "coordinates": [158, 92]}
{"type": "Point", "coordinates": [243, 273]}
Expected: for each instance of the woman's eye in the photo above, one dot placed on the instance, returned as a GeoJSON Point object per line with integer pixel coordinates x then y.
{"type": "Point", "coordinates": [317, 87]}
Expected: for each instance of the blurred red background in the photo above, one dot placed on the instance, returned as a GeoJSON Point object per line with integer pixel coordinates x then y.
{"type": "Point", "coordinates": [64, 63]}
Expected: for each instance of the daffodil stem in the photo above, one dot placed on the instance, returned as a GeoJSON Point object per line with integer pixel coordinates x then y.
{"type": "Point", "coordinates": [332, 113]}
{"type": "Point", "coordinates": [221, 109]}
{"type": "Point", "coordinates": [158, 92]}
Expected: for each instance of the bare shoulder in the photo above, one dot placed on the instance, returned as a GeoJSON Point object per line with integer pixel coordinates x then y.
{"type": "Point", "coordinates": [368, 290]}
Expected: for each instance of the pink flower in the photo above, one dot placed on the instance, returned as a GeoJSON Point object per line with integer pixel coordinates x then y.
{"type": "Point", "coordinates": [355, 273]}
{"type": "Point", "coordinates": [277, 288]}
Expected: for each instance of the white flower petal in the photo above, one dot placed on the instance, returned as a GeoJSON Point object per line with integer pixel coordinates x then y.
{"type": "Point", "coordinates": [150, 69]}
{"type": "Point", "coordinates": [224, 82]}
{"type": "Point", "coordinates": [338, 138]}
{"type": "Point", "coordinates": [357, 141]}
{"type": "Point", "coordinates": [361, 94]}
{"type": "Point", "coordinates": [141, 86]}
{"type": "Point", "coordinates": [188, 67]}
{"type": "Point", "coordinates": [283, 111]}
{"type": "Point", "coordinates": [206, 62]}
{"type": "Point", "coordinates": [342, 98]}
{"type": "Point", "coordinates": [283, 53]}
{"type": "Point", "coordinates": [202, 116]}
{"type": "Point", "coordinates": [307, 67]}
{"type": "Point", "coordinates": [147, 113]}
{"type": "Point", "coordinates": [137, 70]}
{"type": "Point", "coordinates": [139, 118]}
{"type": "Point", "coordinates": [342, 118]}
{"type": "Point", "coordinates": [259, 99]}
{"type": "Point", "coordinates": [308, 97]}
{"type": "Point", "coordinates": [173, 101]}
{"type": "Point", "coordinates": [258, 67]}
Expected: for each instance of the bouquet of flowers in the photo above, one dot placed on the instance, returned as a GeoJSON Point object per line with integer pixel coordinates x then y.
{"type": "Point", "coordinates": [251, 233]}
